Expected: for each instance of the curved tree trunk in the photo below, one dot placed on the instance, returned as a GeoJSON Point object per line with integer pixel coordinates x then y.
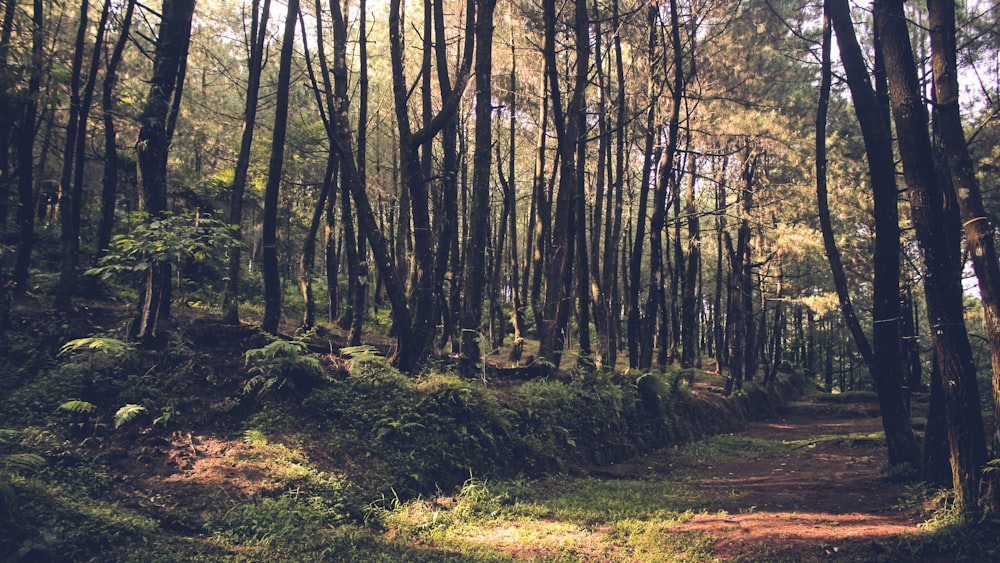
{"type": "Point", "coordinates": [883, 357]}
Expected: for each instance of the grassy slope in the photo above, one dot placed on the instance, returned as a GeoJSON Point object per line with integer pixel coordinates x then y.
{"type": "Point", "coordinates": [329, 464]}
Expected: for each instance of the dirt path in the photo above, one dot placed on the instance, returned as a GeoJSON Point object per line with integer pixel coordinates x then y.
{"type": "Point", "coordinates": [819, 499]}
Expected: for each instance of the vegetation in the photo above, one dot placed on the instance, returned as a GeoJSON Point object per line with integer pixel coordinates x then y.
{"type": "Point", "coordinates": [478, 242]}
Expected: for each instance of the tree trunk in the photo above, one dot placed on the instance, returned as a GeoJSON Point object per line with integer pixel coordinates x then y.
{"type": "Point", "coordinates": [307, 264]}
{"type": "Point", "coordinates": [7, 113]}
{"type": "Point", "coordinates": [269, 227]}
{"type": "Point", "coordinates": [421, 332]}
{"type": "Point", "coordinates": [475, 277]}
{"type": "Point", "coordinates": [720, 307]}
{"type": "Point", "coordinates": [689, 302]}
{"type": "Point", "coordinates": [152, 148]}
{"type": "Point", "coordinates": [634, 329]}
{"type": "Point", "coordinates": [543, 209]}
{"type": "Point", "coordinates": [978, 229]}
{"type": "Point", "coordinates": [258, 35]}
{"type": "Point", "coordinates": [109, 191]}
{"type": "Point", "coordinates": [882, 357]}
{"type": "Point", "coordinates": [70, 231]}
{"type": "Point", "coordinates": [613, 227]}
{"type": "Point", "coordinates": [942, 263]}
{"type": "Point", "coordinates": [25, 145]}
{"type": "Point", "coordinates": [559, 278]}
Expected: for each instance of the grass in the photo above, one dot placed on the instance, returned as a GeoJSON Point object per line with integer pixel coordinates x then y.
{"type": "Point", "coordinates": [560, 519]}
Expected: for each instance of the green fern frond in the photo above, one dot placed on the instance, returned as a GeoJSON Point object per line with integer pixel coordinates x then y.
{"type": "Point", "coordinates": [359, 352]}
{"type": "Point", "coordinates": [95, 344]}
{"type": "Point", "coordinates": [22, 463]}
{"type": "Point", "coordinates": [128, 413]}
{"type": "Point", "coordinates": [78, 406]}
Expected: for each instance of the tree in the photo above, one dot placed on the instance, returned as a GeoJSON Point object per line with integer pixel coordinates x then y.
{"type": "Point", "coordinates": [152, 149]}
{"type": "Point", "coordinates": [256, 40]}
{"type": "Point", "coordinates": [109, 191]}
{"type": "Point", "coordinates": [559, 277]}
{"type": "Point", "coordinates": [882, 356]}
{"type": "Point", "coordinates": [419, 335]}
{"type": "Point", "coordinates": [272, 278]}
{"type": "Point", "coordinates": [941, 259]}
{"type": "Point", "coordinates": [976, 222]}
{"type": "Point", "coordinates": [475, 263]}
{"type": "Point", "coordinates": [7, 111]}
{"type": "Point", "coordinates": [71, 184]}
{"type": "Point", "coordinates": [25, 146]}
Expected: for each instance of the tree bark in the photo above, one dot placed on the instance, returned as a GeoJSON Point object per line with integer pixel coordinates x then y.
{"type": "Point", "coordinates": [559, 294]}
{"type": "Point", "coordinates": [942, 263]}
{"type": "Point", "coordinates": [70, 229]}
{"type": "Point", "coordinates": [883, 358]}
{"type": "Point", "coordinates": [269, 226]}
{"type": "Point", "coordinates": [109, 184]}
{"type": "Point", "coordinates": [258, 35]}
{"type": "Point", "coordinates": [634, 327]}
{"type": "Point", "coordinates": [152, 148]}
{"type": "Point", "coordinates": [7, 112]}
{"type": "Point", "coordinates": [424, 304]}
{"type": "Point", "coordinates": [475, 277]}
{"type": "Point", "coordinates": [25, 145]}
{"type": "Point", "coordinates": [978, 228]}
{"type": "Point", "coordinates": [689, 302]}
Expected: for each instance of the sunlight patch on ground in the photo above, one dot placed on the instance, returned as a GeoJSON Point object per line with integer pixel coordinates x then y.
{"type": "Point", "coordinates": [537, 538]}
{"type": "Point", "coordinates": [735, 532]}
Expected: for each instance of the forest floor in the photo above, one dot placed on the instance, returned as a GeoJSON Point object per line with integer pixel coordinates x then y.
{"type": "Point", "coordinates": [817, 495]}
{"type": "Point", "coordinates": [804, 488]}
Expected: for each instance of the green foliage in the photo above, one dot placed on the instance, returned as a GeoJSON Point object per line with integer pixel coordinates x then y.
{"type": "Point", "coordinates": [281, 366]}
{"type": "Point", "coordinates": [127, 414]}
{"type": "Point", "coordinates": [94, 344]}
{"type": "Point", "coordinates": [291, 521]}
{"type": "Point", "coordinates": [76, 406]}
{"type": "Point", "coordinates": [171, 238]}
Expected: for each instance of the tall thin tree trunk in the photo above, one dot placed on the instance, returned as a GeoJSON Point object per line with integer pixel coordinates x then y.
{"type": "Point", "coordinates": [258, 35]}
{"type": "Point", "coordinates": [482, 167]}
{"type": "Point", "coordinates": [269, 226]}
{"type": "Point", "coordinates": [882, 356]}
{"type": "Point", "coordinates": [69, 233]}
{"type": "Point", "coordinates": [7, 112]}
{"type": "Point", "coordinates": [634, 329]}
{"type": "Point", "coordinates": [109, 191]}
{"type": "Point", "coordinates": [25, 145]}
{"type": "Point", "coordinates": [689, 301]}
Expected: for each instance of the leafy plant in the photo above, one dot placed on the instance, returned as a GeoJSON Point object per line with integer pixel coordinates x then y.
{"type": "Point", "coordinates": [172, 237]}
{"type": "Point", "coordinates": [128, 413]}
{"type": "Point", "coordinates": [281, 365]}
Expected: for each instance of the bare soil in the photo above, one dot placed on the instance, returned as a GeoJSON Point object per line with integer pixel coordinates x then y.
{"type": "Point", "coordinates": [820, 500]}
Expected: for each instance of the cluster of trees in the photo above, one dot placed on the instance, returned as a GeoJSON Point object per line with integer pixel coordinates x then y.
{"type": "Point", "coordinates": [632, 181]}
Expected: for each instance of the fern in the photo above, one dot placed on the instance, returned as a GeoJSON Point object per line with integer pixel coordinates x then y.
{"type": "Point", "coordinates": [111, 346]}
{"type": "Point", "coordinates": [362, 352]}
{"type": "Point", "coordinates": [78, 406]}
{"type": "Point", "coordinates": [128, 413]}
{"type": "Point", "coordinates": [22, 463]}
